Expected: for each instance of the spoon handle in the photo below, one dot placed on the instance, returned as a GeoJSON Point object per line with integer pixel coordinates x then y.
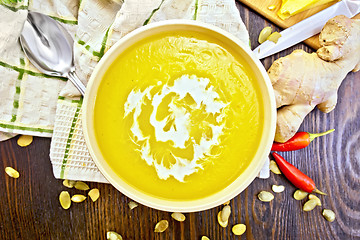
{"type": "Point", "coordinates": [76, 81]}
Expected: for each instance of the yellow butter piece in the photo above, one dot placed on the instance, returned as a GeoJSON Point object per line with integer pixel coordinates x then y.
{"type": "Point", "coordinates": [291, 7]}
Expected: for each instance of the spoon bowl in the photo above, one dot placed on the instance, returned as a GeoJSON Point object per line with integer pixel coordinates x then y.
{"type": "Point", "coordinates": [49, 47]}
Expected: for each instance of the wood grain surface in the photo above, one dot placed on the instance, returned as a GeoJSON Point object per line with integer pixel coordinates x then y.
{"type": "Point", "coordinates": [261, 7]}
{"type": "Point", "coordinates": [29, 206]}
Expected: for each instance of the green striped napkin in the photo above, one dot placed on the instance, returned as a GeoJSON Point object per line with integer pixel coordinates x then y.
{"type": "Point", "coordinates": [36, 104]}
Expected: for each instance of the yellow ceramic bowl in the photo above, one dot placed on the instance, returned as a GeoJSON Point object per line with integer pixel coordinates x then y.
{"type": "Point", "coordinates": [264, 144]}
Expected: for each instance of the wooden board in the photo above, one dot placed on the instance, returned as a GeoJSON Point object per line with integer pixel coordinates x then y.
{"type": "Point", "coordinates": [261, 7]}
{"type": "Point", "coordinates": [30, 207]}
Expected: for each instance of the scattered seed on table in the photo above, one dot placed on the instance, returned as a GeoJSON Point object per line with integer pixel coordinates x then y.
{"type": "Point", "coordinates": [300, 194]}
{"type": "Point", "coordinates": [24, 140]}
{"type": "Point", "coordinates": [239, 229]}
{"type": "Point", "coordinates": [278, 188]}
{"type": "Point", "coordinates": [132, 205]}
{"type": "Point", "coordinates": [225, 213]}
{"type": "Point", "coordinates": [113, 236]}
{"type": "Point", "coordinates": [328, 215]}
{"type": "Point", "coordinates": [310, 205]}
{"type": "Point", "coordinates": [178, 216]}
{"type": "Point", "coordinates": [94, 194]}
{"type": "Point", "coordinates": [78, 198]}
{"type": "Point", "coordinates": [265, 196]}
{"type": "Point", "coordinates": [81, 186]}
{"type": "Point", "coordinates": [64, 199]}
{"type": "Point", "coordinates": [12, 172]}
{"type": "Point", "coordinates": [221, 223]}
{"type": "Point", "coordinates": [205, 238]}
{"type": "Point", "coordinates": [312, 196]}
{"type": "Point", "coordinates": [264, 34]}
{"type": "Point", "coordinates": [274, 167]}
{"type": "Point", "coordinates": [69, 183]}
{"type": "Point", "coordinates": [226, 203]}
{"type": "Point", "coordinates": [161, 226]}
{"type": "Point", "coordinates": [274, 37]}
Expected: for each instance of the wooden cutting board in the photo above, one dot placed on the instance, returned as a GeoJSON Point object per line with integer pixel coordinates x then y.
{"type": "Point", "coordinates": [261, 7]}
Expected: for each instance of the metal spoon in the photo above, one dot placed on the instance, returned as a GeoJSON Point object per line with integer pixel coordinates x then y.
{"type": "Point", "coordinates": [49, 47]}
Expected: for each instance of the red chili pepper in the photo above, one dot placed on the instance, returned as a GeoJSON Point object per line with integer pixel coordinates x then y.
{"type": "Point", "coordinates": [298, 141]}
{"type": "Point", "coordinates": [295, 176]}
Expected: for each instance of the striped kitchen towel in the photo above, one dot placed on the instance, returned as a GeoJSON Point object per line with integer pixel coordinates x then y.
{"type": "Point", "coordinates": [28, 97]}
{"type": "Point", "coordinates": [37, 104]}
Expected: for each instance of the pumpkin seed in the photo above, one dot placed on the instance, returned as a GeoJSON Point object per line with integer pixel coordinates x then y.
{"type": "Point", "coordinates": [264, 34]}
{"type": "Point", "coordinates": [239, 229]}
{"type": "Point", "coordinates": [78, 198]}
{"type": "Point", "coordinates": [274, 37]}
{"type": "Point", "coordinates": [69, 183]}
{"type": "Point", "coordinates": [64, 199]}
{"type": "Point", "coordinates": [274, 167]}
{"type": "Point", "coordinates": [81, 186]}
{"type": "Point", "coordinates": [300, 194]}
{"type": "Point", "coordinates": [113, 236]}
{"type": "Point", "coordinates": [205, 238]}
{"type": "Point", "coordinates": [312, 196]}
{"type": "Point", "coordinates": [161, 226]}
{"type": "Point", "coordinates": [94, 194]}
{"type": "Point", "coordinates": [265, 196]}
{"type": "Point", "coordinates": [24, 140]}
{"type": "Point", "coordinates": [132, 205]}
{"type": "Point", "coordinates": [278, 188]}
{"type": "Point", "coordinates": [310, 205]}
{"type": "Point", "coordinates": [271, 7]}
{"type": "Point", "coordinates": [328, 215]}
{"type": "Point", "coordinates": [225, 213]}
{"type": "Point", "coordinates": [221, 223]}
{"type": "Point", "coordinates": [178, 216]}
{"type": "Point", "coordinates": [12, 172]}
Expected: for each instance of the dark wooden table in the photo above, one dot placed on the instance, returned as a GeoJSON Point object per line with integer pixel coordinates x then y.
{"type": "Point", "coordinates": [29, 206]}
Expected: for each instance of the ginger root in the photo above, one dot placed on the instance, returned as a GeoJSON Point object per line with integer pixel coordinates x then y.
{"type": "Point", "coordinates": [302, 81]}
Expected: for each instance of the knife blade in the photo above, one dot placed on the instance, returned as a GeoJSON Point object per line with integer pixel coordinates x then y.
{"type": "Point", "coordinates": [307, 28]}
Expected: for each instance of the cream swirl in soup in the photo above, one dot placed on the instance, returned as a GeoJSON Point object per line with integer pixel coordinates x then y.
{"type": "Point", "coordinates": [176, 127]}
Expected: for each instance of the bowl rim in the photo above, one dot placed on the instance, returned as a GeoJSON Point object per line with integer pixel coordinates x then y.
{"type": "Point", "coordinates": [207, 202]}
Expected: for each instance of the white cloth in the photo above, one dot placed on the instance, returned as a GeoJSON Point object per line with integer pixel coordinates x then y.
{"type": "Point", "coordinates": [36, 104]}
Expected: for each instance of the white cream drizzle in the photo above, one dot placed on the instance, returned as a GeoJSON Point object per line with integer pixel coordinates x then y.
{"type": "Point", "coordinates": [178, 134]}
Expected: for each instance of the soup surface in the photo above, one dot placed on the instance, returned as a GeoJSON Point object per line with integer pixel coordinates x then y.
{"type": "Point", "coordinates": [178, 116]}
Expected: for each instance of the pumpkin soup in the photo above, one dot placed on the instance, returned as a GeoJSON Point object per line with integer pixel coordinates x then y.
{"type": "Point", "coordinates": [178, 116]}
